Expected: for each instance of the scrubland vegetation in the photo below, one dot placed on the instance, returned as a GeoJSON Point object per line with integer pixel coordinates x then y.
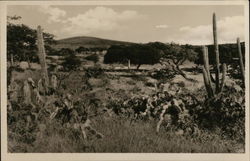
{"type": "Point", "coordinates": [134, 98]}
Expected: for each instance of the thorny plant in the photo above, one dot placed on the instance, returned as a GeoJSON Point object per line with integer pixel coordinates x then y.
{"type": "Point", "coordinates": [175, 109]}
{"type": "Point", "coordinates": [26, 113]}
{"type": "Point", "coordinates": [182, 110]}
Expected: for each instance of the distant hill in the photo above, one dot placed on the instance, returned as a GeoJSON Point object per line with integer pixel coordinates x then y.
{"type": "Point", "coordinates": [89, 42]}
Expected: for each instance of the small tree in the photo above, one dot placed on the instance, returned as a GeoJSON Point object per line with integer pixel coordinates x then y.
{"type": "Point", "coordinates": [137, 54]}
{"type": "Point", "coordinates": [93, 57]}
{"type": "Point", "coordinates": [116, 54]}
{"type": "Point", "coordinates": [81, 49]}
{"type": "Point", "coordinates": [175, 55]}
{"type": "Point", "coordinates": [71, 63]}
{"type": "Point", "coordinates": [21, 41]}
{"type": "Point", "coordinates": [228, 53]}
{"type": "Point", "coordinates": [179, 54]}
{"type": "Point", "coordinates": [66, 52]}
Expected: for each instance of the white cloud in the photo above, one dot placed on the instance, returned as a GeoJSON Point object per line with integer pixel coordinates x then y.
{"type": "Point", "coordinates": [98, 19]}
{"type": "Point", "coordinates": [91, 21]}
{"type": "Point", "coordinates": [185, 28]}
{"type": "Point", "coordinates": [161, 26]}
{"type": "Point", "coordinates": [55, 14]}
{"type": "Point", "coordinates": [229, 28]}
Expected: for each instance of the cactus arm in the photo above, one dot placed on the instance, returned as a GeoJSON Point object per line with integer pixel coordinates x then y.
{"type": "Point", "coordinates": [206, 82]}
{"type": "Point", "coordinates": [216, 49]}
{"type": "Point", "coordinates": [206, 73]}
{"type": "Point", "coordinates": [241, 60]}
{"type": "Point", "coordinates": [224, 70]}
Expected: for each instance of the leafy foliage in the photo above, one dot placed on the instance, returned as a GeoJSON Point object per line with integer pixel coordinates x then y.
{"type": "Point", "coordinates": [137, 54]}
{"type": "Point", "coordinates": [93, 57]}
{"type": "Point", "coordinates": [71, 62]}
{"type": "Point", "coordinates": [94, 72]}
{"type": "Point", "coordinates": [66, 52]}
{"type": "Point", "coordinates": [21, 42]}
{"type": "Point", "coordinates": [116, 53]}
{"type": "Point", "coordinates": [178, 54]}
{"type": "Point", "coordinates": [228, 53]}
{"type": "Point", "coordinates": [227, 111]}
{"type": "Point", "coordinates": [81, 49]}
{"type": "Point", "coordinates": [164, 74]}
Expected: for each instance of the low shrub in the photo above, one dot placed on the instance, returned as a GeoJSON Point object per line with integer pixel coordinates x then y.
{"type": "Point", "coordinates": [94, 72]}
{"type": "Point", "coordinates": [226, 111]}
{"type": "Point", "coordinates": [163, 74]}
{"type": "Point", "coordinates": [94, 58]}
{"type": "Point", "coordinates": [149, 84]}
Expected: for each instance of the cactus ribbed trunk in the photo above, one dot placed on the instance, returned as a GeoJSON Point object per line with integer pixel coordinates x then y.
{"type": "Point", "coordinates": [241, 60]}
{"type": "Point", "coordinates": [206, 62]}
{"type": "Point", "coordinates": [206, 82]}
{"type": "Point", "coordinates": [11, 60]}
{"type": "Point", "coordinates": [224, 71]}
{"type": "Point", "coordinates": [217, 56]}
{"type": "Point", "coordinates": [42, 56]}
{"type": "Point", "coordinates": [206, 73]}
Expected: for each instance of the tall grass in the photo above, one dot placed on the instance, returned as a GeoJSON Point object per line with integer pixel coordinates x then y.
{"type": "Point", "coordinates": [124, 136]}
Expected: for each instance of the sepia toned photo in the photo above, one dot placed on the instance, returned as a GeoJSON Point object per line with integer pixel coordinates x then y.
{"type": "Point", "coordinates": [128, 78]}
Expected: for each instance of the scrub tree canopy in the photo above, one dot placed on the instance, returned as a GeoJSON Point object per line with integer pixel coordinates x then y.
{"type": "Point", "coordinates": [137, 54]}
{"type": "Point", "coordinates": [21, 41]}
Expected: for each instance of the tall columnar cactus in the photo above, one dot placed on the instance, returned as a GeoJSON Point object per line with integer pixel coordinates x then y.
{"type": "Point", "coordinates": [222, 83]}
{"type": "Point", "coordinates": [207, 77]}
{"type": "Point", "coordinates": [217, 56]}
{"type": "Point", "coordinates": [206, 72]}
{"type": "Point", "coordinates": [42, 56]}
{"type": "Point", "coordinates": [241, 60]}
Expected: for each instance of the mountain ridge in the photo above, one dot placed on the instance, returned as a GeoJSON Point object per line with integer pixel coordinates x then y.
{"type": "Point", "coordinates": [93, 42]}
{"type": "Point", "coordinates": [87, 41]}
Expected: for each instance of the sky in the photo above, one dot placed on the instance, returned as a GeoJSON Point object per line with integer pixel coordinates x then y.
{"type": "Point", "coordinates": [185, 24]}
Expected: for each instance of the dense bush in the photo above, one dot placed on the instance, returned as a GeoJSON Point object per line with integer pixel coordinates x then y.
{"type": "Point", "coordinates": [163, 74]}
{"type": "Point", "coordinates": [94, 72]}
{"type": "Point", "coordinates": [227, 53]}
{"type": "Point", "coordinates": [71, 62]}
{"type": "Point", "coordinates": [93, 57]}
{"type": "Point", "coordinates": [21, 41]}
{"type": "Point", "coordinates": [66, 52]}
{"type": "Point", "coordinates": [81, 49]}
{"type": "Point", "coordinates": [226, 111]}
{"type": "Point", "coordinates": [137, 54]}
